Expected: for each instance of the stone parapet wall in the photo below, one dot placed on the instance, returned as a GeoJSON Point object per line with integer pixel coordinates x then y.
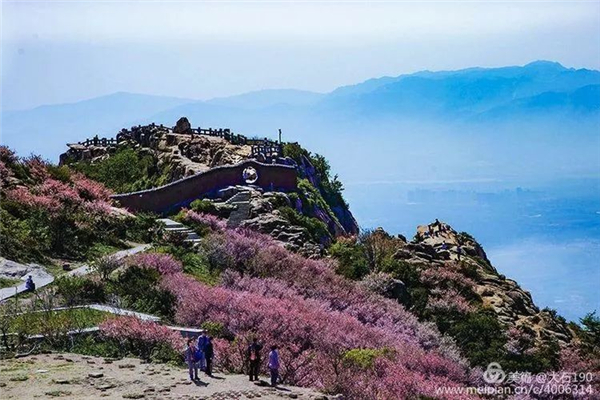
{"type": "Point", "coordinates": [205, 184]}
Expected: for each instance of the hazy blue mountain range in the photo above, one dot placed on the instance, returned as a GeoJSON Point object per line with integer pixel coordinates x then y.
{"type": "Point", "coordinates": [480, 96]}
{"type": "Point", "coordinates": [46, 129]}
{"type": "Point", "coordinates": [269, 98]}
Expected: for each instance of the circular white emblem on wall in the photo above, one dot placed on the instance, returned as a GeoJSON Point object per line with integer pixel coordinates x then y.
{"type": "Point", "coordinates": [250, 175]}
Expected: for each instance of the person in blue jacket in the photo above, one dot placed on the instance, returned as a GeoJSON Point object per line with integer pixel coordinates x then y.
{"type": "Point", "coordinates": [202, 341]}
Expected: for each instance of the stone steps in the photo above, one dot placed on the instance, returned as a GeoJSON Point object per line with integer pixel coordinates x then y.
{"type": "Point", "coordinates": [177, 227]}
{"type": "Point", "coordinates": [242, 202]}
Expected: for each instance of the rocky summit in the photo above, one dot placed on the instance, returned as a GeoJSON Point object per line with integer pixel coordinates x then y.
{"type": "Point", "coordinates": [182, 152]}
{"type": "Point", "coordinates": [513, 305]}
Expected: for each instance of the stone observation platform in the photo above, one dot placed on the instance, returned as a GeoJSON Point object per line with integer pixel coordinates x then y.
{"type": "Point", "coordinates": [206, 161]}
{"type": "Point", "coordinates": [261, 149]}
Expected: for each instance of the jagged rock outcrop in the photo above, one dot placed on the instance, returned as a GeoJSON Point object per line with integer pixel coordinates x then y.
{"type": "Point", "coordinates": [252, 208]}
{"type": "Point", "coordinates": [440, 245]}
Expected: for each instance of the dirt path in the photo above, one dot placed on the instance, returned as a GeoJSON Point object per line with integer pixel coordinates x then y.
{"type": "Point", "coordinates": [72, 376]}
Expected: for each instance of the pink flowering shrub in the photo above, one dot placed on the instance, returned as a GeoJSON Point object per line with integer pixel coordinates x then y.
{"type": "Point", "coordinates": [139, 337]}
{"type": "Point", "coordinates": [258, 255]}
{"type": "Point", "coordinates": [89, 189]}
{"type": "Point", "coordinates": [448, 300]}
{"type": "Point", "coordinates": [315, 316]}
{"type": "Point", "coordinates": [312, 336]}
{"type": "Point", "coordinates": [66, 212]}
{"type": "Point", "coordinates": [164, 263]}
{"type": "Point", "coordinates": [447, 275]}
{"type": "Point", "coordinates": [201, 220]}
{"type": "Point", "coordinates": [520, 340]}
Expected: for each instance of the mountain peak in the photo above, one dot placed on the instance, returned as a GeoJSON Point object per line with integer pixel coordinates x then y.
{"type": "Point", "coordinates": [545, 64]}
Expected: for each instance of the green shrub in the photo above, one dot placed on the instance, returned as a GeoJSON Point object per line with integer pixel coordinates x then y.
{"type": "Point", "coordinates": [464, 237]}
{"type": "Point", "coordinates": [61, 173]}
{"type": "Point", "coordinates": [105, 266]}
{"type": "Point", "coordinates": [194, 263]}
{"type": "Point", "coordinates": [279, 200]}
{"type": "Point", "coordinates": [139, 289]}
{"type": "Point", "coordinates": [204, 206]}
{"type": "Point", "coordinates": [164, 353]}
{"type": "Point", "coordinates": [480, 337]}
{"type": "Point", "coordinates": [56, 324]}
{"type": "Point", "coordinates": [142, 228]}
{"type": "Point", "coordinates": [8, 282]}
{"type": "Point", "coordinates": [217, 330]}
{"type": "Point", "coordinates": [316, 228]}
{"type": "Point", "coordinates": [197, 266]}
{"type": "Point", "coordinates": [22, 239]}
{"type": "Point", "coordinates": [470, 270]}
{"type": "Point", "coordinates": [365, 358]}
{"type": "Point", "coordinates": [352, 262]}
{"type": "Point", "coordinates": [590, 332]}
{"type": "Point", "coordinates": [79, 290]}
{"type": "Point", "coordinates": [126, 170]}
{"type": "Point", "coordinates": [94, 345]}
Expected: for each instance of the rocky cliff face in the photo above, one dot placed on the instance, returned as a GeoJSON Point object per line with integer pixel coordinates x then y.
{"type": "Point", "coordinates": [513, 305]}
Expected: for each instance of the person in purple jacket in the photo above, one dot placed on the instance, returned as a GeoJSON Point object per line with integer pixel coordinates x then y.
{"type": "Point", "coordinates": [274, 365]}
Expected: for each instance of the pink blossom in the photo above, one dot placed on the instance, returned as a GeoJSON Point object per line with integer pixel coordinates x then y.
{"type": "Point", "coordinates": [38, 168]}
{"type": "Point", "coordinates": [97, 208]}
{"type": "Point", "coordinates": [209, 220]}
{"type": "Point", "coordinates": [132, 328]}
{"type": "Point", "coordinates": [164, 263]}
{"type": "Point", "coordinates": [61, 191]}
{"type": "Point", "coordinates": [312, 335]}
{"type": "Point", "coordinates": [89, 189]}
{"type": "Point", "coordinates": [449, 299]}
{"type": "Point", "coordinates": [23, 195]}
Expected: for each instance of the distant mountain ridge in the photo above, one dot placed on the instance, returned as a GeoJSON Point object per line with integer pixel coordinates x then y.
{"type": "Point", "coordinates": [468, 91]}
{"type": "Point", "coordinates": [543, 89]}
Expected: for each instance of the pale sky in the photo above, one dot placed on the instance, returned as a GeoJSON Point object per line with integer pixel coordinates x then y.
{"type": "Point", "coordinates": [54, 52]}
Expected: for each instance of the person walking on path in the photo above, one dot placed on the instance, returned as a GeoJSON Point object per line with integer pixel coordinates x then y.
{"type": "Point", "coordinates": [274, 365]}
{"type": "Point", "coordinates": [190, 359]}
{"type": "Point", "coordinates": [254, 359]}
{"type": "Point", "coordinates": [458, 251]}
{"type": "Point", "coordinates": [209, 353]}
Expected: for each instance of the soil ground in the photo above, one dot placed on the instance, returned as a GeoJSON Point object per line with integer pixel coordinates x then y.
{"type": "Point", "coordinates": [73, 376]}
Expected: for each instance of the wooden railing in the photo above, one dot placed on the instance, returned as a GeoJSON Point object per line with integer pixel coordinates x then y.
{"type": "Point", "coordinates": [266, 147]}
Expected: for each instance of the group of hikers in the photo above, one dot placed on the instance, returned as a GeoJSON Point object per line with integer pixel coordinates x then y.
{"type": "Point", "coordinates": [254, 360]}
{"type": "Point", "coordinates": [441, 228]}
{"type": "Point", "coordinates": [431, 228]}
{"type": "Point", "coordinates": [199, 355]}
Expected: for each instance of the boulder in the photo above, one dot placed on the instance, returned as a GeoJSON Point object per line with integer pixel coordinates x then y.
{"type": "Point", "coordinates": [183, 126]}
